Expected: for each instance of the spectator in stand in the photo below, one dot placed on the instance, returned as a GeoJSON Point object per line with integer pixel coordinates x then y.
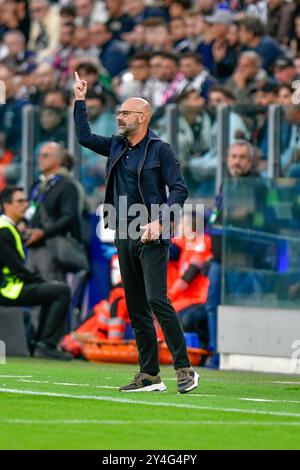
{"type": "Point", "coordinates": [203, 167]}
{"type": "Point", "coordinates": [178, 8]}
{"type": "Point", "coordinates": [89, 11]}
{"type": "Point", "coordinates": [9, 20]}
{"type": "Point", "coordinates": [240, 162]}
{"type": "Point", "coordinates": [215, 36]}
{"type": "Point", "coordinates": [56, 195]}
{"type": "Point", "coordinates": [67, 14]}
{"type": "Point", "coordinates": [225, 49]}
{"type": "Point", "coordinates": [11, 113]}
{"type": "Point", "coordinates": [195, 74]}
{"type": "Point", "coordinates": [174, 78]}
{"type": "Point", "coordinates": [207, 7]}
{"type": "Point", "coordinates": [290, 157]}
{"type": "Point", "coordinates": [44, 29]}
{"type": "Point", "coordinates": [157, 35]}
{"type": "Point", "coordinates": [113, 53]}
{"type": "Point", "coordinates": [135, 79]}
{"type": "Point", "coordinates": [44, 79]}
{"type": "Point", "coordinates": [82, 42]}
{"type": "Point", "coordinates": [62, 57]}
{"type": "Point", "coordinates": [284, 70]}
{"type": "Point", "coordinates": [285, 93]}
{"type": "Point", "coordinates": [139, 12]}
{"type": "Point", "coordinates": [18, 58]}
{"type": "Point", "coordinates": [94, 76]}
{"type": "Point", "coordinates": [266, 94]}
{"type": "Point", "coordinates": [253, 37]}
{"type": "Point", "coordinates": [295, 40]}
{"type": "Point", "coordinates": [118, 21]}
{"type": "Point", "coordinates": [280, 17]}
{"type": "Point", "coordinates": [246, 76]}
{"type": "Point", "coordinates": [195, 28]}
{"type": "Point", "coordinates": [178, 32]}
{"type": "Point", "coordinates": [157, 83]}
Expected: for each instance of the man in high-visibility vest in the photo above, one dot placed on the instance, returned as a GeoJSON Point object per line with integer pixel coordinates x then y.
{"type": "Point", "coordinates": [19, 286]}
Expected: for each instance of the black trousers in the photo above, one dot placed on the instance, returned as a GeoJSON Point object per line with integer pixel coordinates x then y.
{"type": "Point", "coordinates": [54, 298]}
{"type": "Point", "coordinates": [144, 275]}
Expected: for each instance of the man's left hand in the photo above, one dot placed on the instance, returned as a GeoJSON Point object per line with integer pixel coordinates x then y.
{"type": "Point", "coordinates": [35, 236]}
{"type": "Point", "coordinates": [152, 231]}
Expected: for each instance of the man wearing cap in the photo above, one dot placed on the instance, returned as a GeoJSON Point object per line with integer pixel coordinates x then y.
{"type": "Point", "coordinates": [219, 23]}
{"type": "Point", "coordinates": [285, 70]}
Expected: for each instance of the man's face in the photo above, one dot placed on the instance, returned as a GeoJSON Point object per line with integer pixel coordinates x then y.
{"type": "Point", "coordinates": [284, 74]}
{"type": "Point", "coordinates": [156, 68]}
{"type": "Point", "coordinates": [239, 161]}
{"type": "Point", "coordinates": [245, 36]}
{"type": "Point", "coordinates": [263, 98]}
{"type": "Point", "coordinates": [133, 7]}
{"type": "Point", "coordinates": [55, 100]}
{"type": "Point", "coordinates": [190, 68]}
{"type": "Point", "coordinates": [48, 158]}
{"type": "Point", "coordinates": [99, 35]}
{"type": "Point", "coordinates": [170, 69]}
{"type": "Point", "coordinates": [247, 67]}
{"type": "Point", "coordinates": [38, 10]}
{"type": "Point", "coordinates": [215, 99]}
{"type": "Point", "coordinates": [129, 119]}
{"type": "Point", "coordinates": [284, 96]}
{"type": "Point", "coordinates": [84, 8]}
{"type": "Point", "coordinates": [94, 108]}
{"type": "Point", "coordinates": [156, 37]}
{"type": "Point", "coordinates": [177, 29]}
{"type": "Point", "coordinates": [195, 26]}
{"type": "Point", "coordinates": [139, 69]}
{"type": "Point", "coordinates": [14, 43]}
{"type": "Point", "coordinates": [66, 35]}
{"type": "Point", "coordinates": [17, 208]}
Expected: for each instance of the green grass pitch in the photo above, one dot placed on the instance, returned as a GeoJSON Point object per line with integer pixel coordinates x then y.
{"type": "Point", "coordinates": [76, 405]}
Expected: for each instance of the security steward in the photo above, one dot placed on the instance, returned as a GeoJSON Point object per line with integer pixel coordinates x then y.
{"type": "Point", "coordinates": [20, 287]}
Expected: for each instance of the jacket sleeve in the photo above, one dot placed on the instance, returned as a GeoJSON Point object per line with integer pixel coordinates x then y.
{"type": "Point", "coordinates": [10, 257]}
{"type": "Point", "coordinates": [91, 141]}
{"type": "Point", "coordinates": [68, 202]}
{"type": "Point", "coordinates": [172, 177]}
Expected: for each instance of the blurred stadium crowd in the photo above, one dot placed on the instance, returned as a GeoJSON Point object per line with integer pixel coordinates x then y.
{"type": "Point", "coordinates": [197, 54]}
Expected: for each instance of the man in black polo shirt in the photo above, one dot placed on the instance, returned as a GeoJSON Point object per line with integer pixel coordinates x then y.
{"type": "Point", "coordinates": [139, 168]}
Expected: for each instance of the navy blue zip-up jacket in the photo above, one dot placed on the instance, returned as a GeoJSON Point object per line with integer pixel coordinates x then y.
{"type": "Point", "coordinates": [157, 169]}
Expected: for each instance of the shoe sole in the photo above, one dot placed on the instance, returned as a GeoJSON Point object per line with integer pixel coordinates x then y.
{"type": "Point", "coordinates": [192, 387]}
{"type": "Point", "coordinates": [150, 388]}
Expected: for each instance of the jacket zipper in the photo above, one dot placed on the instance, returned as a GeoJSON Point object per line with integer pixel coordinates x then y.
{"type": "Point", "coordinates": [139, 173]}
{"type": "Point", "coordinates": [118, 157]}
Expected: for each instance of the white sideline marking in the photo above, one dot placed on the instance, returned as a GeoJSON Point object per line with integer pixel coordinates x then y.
{"type": "Point", "coordinates": [131, 422]}
{"type": "Point", "coordinates": [66, 384]}
{"type": "Point", "coordinates": [34, 381]}
{"type": "Point", "coordinates": [15, 376]}
{"type": "Point", "coordinates": [285, 383]}
{"type": "Point", "coordinates": [267, 400]}
{"type": "Point", "coordinates": [148, 403]}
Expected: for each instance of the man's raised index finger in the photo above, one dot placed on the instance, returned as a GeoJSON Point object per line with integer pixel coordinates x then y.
{"type": "Point", "coordinates": [77, 76]}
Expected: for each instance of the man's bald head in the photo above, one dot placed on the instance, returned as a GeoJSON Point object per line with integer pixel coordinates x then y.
{"type": "Point", "coordinates": [133, 119]}
{"type": "Point", "coordinates": [138, 104]}
{"type": "Point", "coordinates": [50, 158]}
